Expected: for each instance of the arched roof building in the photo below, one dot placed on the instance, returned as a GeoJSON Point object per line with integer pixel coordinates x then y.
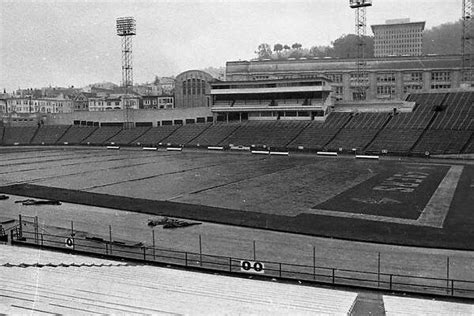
{"type": "Point", "coordinates": [193, 89]}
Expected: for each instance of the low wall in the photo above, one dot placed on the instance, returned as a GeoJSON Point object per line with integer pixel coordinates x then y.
{"type": "Point", "coordinates": [141, 116]}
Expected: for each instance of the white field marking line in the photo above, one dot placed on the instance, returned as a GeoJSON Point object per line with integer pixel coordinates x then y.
{"type": "Point", "coordinates": [369, 217]}
{"type": "Point", "coordinates": [437, 209]}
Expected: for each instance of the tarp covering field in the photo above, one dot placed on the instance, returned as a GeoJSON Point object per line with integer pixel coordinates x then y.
{"type": "Point", "coordinates": [391, 201]}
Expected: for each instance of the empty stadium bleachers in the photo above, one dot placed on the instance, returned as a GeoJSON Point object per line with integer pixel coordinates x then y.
{"type": "Point", "coordinates": [127, 136]}
{"type": "Point", "coordinates": [101, 135]}
{"type": "Point", "coordinates": [273, 134]}
{"type": "Point", "coordinates": [349, 139]}
{"type": "Point", "coordinates": [155, 135]}
{"type": "Point", "coordinates": [74, 284]}
{"type": "Point", "coordinates": [441, 123]}
{"type": "Point", "coordinates": [185, 134]}
{"type": "Point", "coordinates": [457, 112]}
{"type": "Point", "coordinates": [214, 135]}
{"type": "Point", "coordinates": [313, 137]}
{"type": "Point", "coordinates": [18, 135]}
{"type": "Point", "coordinates": [395, 141]}
{"type": "Point", "coordinates": [442, 142]}
{"type": "Point", "coordinates": [76, 134]}
{"type": "Point", "coordinates": [49, 135]}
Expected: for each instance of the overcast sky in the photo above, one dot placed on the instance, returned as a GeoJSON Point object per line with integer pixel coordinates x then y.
{"type": "Point", "coordinates": [63, 43]}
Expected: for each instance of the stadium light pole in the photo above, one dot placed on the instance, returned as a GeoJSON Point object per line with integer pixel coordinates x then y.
{"type": "Point", "coordinates": [466, 41]}
{"type": "Point", "coordinates": [361, 30]}
{"type": "Point", "coordinates": [126, 29]}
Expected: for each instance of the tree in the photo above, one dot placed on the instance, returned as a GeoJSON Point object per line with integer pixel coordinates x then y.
{"type": "Point", "coordinates": [286, 47]}
{"type": "Point", "coordinates": [346, 46]}
{"type": "Point", "coordinates": [264, 51]}
{"type": "Point", "coordinates": [277, 48]}
{"type": "Point", "coordinates": [321, 51]}
{"type": "Point", "coordinates": [296, 46]}
{"type": "Point", "coordinates": [443, 39]}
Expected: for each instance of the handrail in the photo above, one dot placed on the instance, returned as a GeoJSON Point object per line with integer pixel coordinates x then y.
{"type": "Point", "coordinates": [331, 275]}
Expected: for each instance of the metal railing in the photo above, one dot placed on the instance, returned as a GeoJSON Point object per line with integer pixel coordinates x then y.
{"type": "Point", "coordinates": [271, 269]}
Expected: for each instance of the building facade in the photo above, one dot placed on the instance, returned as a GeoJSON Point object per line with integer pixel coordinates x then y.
{"type": "Point", "coordinates": [398, 38]}
{"type": "Point", "coordinates": [157, 102]}
{"type": "Point", "coordinates": [192, 89]}
{"type": "Point", "coordinates": [28, 104]}
{"type": "Point", "coordinates": [385, 78]}
{"type": "Point", "coordinates": [281, 99]}
{"type": "Point", "coordinates": [113, 102]}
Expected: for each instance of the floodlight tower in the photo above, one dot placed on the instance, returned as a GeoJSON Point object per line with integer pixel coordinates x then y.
{"type": "Point", "coordinates": [361, 31]}
{"type": "Point", "coordinates": [466, 42]}
{"type": "Point", "coordinates": [126, 28]}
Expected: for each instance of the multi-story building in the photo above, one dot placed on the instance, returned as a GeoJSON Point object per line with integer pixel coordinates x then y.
{"type": "Point", "coordinates": [114, 102]}
{"type": "Point", "coordinates": [385, 78]}
{"type": "Point", "coordinates": [157, 102]}
{"type": "Point", "coordinates": [30, 104]}
{"type": "Point", "coordinates": [398, 38]}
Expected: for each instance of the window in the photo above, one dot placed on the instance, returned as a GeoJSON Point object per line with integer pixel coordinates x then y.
{"type": "Point", "coordinates": [413, 76]}
{"type": "Point", "coordinates": [440, 76]}
{"type": "Point", "coordinates": [440, 86]}
{"type": "Point", "coordinates": [386, 77]}
{"type": "Point", "coordinates": [336, 78]}
{"type": "Point", "coordinates": [338, 90]}
{"type": "Point", "coordinates": [385, 90]}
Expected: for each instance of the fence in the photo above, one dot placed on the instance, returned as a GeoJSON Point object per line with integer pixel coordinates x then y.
{"type": "Point", "coordinates": [23, 233]}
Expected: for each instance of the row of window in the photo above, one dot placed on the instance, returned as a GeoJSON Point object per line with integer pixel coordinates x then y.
{"type": "Point", "coordinates": [194, 86]}
{"type": "Point", "coordinates": [390, 89]}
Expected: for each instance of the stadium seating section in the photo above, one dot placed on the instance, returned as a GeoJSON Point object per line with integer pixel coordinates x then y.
{"type": "Point", "coordinates": [155, 135]}
{"type": "Point", "coordinates": [273, 134]}
{"type": "Point", "coordinates": [185, 134]}
{"type": "Point", "coordinates": [49, 134]}
{"type": "Point", "coordinates": [76, 134]}
{"type": "Point", "coordinates": [101, 135]}
{"type": "Point", "coordinates": [441, 123]}
{"type": "Point", "coordinates": [214, 135]}
{"type": "Point", "coordinates": [127, 136]}
{"type": "Point", "coordinates": [18, 135]}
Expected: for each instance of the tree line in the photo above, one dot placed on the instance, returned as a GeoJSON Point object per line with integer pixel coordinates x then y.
{"type": "Point", "coordinates": [437, 40]}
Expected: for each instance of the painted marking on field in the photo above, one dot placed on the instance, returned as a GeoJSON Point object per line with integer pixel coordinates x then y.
{"type": "Point", "coordinates": [433, 214]}
{"type": "Point", "coordinates": [437, 209]}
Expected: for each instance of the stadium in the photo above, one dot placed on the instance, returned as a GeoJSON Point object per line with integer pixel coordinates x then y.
{"type": "Point", "coordinates": [271, 196]}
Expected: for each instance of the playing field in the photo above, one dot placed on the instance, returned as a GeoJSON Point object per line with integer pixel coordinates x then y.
{"type": "Point", "coordinates": [403, 202]}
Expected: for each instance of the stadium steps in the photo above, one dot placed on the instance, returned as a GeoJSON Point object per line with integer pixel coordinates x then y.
{"type": "Point", "coordinates": [155, 135]}
{"type": "Point", "coordinates": [389, 117]}
{"type": "Point", "coordinates": [127, 136]}
{"type": "Point", "coordinates": [412, 306]}
{"type": "Point", "coordinates": [49, 135]}
{"type": "Point", "coordinates": [299, 133]}
{"type": "Point", "coordinates": [20, 135]}
{"type": "Point", "coordinates": [76, 134]}
{"type": "Point", "coordinates": [185, 134]}
{"type": "Point", "coordinates": [435, 114]}
{"type": "Point", "coordinates": [131, 289]}
{"type": "Point", "coordinates": [395, 141]}
{"type": "Point", "coordinates": [457, 112]}
{"type": "Point", "coordinates": [469, 146]}
{"type": "Point", "coordinates": [442, 142]}
{"type": "Point", "coordinates": [341, 127]}
{"type": "Point", "coordinates": [101, 135]}
{"type": "Point", "coordinates": [214, 135]}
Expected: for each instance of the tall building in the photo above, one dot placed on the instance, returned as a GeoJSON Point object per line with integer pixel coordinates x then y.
{"type": "Point", "coordinates": [385, 77]}
{"type": "Point", "coordinates": [398, 37]}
